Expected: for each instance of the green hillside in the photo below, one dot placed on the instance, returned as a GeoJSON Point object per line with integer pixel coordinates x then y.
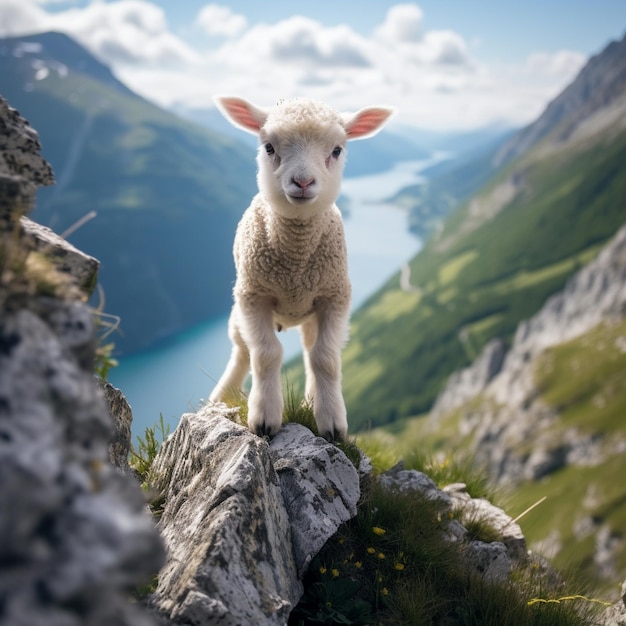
{"type": "Point", "coordinates": [168, 194]}
{"type": "Point", "coordinates": [494, 264]}
{"type": "Point", "coordinates": [582, 381]}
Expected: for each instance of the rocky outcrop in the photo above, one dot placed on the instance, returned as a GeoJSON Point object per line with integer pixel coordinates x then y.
{"type": "Point", "coordinates": [510, 413]}
{"type": "Point", "coordinates": [75, 538]}
{"type": "Point", "coordinates": [507, 425]}
{"type": "Point", "coordinates": [243, 518]}
{"type": "Point", "coordinates": [491, 561]}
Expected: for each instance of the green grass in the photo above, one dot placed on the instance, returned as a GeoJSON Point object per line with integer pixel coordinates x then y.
{"type": "Point", "coordinates": [582, 380]}
{"type": "Point", "coordinates": [392, 565]}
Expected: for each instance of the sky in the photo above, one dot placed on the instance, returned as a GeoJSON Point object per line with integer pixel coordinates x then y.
{"type": "Point", "coordinates": [444, 64]}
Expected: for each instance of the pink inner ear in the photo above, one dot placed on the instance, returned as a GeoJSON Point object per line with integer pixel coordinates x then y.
{"type": "Point", "coordinates": [367, 122]}
{"type": "Point", "coordinates": [241, 113]}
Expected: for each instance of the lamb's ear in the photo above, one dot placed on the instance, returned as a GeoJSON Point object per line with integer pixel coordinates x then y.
{"type": "Point", "coordinates": [241, 113]}
{"type": "Point", "coordinates": [366, 122]}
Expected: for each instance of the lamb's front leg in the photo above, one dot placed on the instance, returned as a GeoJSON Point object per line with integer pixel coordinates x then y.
{"type": "Point", "coordinates": [323, 338]}
{"type": "Point", "coordinates": [265, 402]}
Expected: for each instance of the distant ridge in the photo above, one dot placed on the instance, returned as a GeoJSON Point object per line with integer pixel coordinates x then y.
{"type": "Point", "coordinates": [600, 83]}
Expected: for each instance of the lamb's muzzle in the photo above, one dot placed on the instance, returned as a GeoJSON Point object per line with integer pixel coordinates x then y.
{"type": "Point", "coordinates": [290, 256]}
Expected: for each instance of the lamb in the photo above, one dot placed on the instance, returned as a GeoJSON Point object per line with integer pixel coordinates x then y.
{"type": "Point", "coordinates": [290, 258]}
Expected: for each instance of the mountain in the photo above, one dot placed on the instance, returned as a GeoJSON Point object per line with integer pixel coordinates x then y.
{"type": "Point", "coordinates": [545, 213]}
{"type": "Point", "coordinates": [597, 91]}
{"type": "Point", "coordinates": [167, 193]}
{"type": "Point", "coordinates": [546, 418]}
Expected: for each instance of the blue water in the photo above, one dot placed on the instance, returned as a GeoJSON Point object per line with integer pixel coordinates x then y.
{"type": "Point", "coordinates": [178, 375]}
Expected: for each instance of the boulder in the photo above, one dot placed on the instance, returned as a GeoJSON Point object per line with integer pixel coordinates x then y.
{"type": "Point", "coordinates": [492, 561]}
{"type": "Point", "coordinates": [320, 487]}
{"type": "Point", "coordinates": [243, 518]}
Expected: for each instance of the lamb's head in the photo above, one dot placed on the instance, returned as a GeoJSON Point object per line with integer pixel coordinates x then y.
{"type": "Point", "coordinates": [301, 149]}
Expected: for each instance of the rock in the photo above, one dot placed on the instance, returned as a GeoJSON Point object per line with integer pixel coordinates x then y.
{"type": "Point", "coordinates": [412, 480]}
{"type": "Point", "coordinates": [75, 538]}
{"type": "Point", "coordinates": [616, 614]}
{"type": "Point", "coordinates": [22, 168]}
{"type": "Point", "coordinates": [243, 519]}
{"type": "Point", "coordinates": [75, 535]}
{"type": "Point", "coordinates": [66, 258]}
{"type": "Point", "coordinates": [481, 509]}
{"type": "Point", "coordinates": [225, 526]}
{"type": "Point", "coordinates": [469, 382]}
{"type": "Point", "coordinates": [122, 416]}
{"type": "Point", "coordinates": [492, 561]}
{"type": "Point", "coordinates": [320, 487]}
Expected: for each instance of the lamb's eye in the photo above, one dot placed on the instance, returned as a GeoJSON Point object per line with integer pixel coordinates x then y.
{"type": "Point", "coordinates": [269, 148]}
{"type": "Point", "coordinates": [336, 152]}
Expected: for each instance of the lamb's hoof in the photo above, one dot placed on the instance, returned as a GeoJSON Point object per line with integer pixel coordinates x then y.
{"type": "Point", "coordinates": [333, 436]}
{"type": "Point", "coordinates": [265, 431]}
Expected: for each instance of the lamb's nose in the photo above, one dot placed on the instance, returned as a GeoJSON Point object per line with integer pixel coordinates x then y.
{"type": "Point", "coordinates": [303, 183]}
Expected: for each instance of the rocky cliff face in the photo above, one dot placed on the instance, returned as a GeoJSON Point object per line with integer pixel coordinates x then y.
{"type": "Point", "coordinates": [510, 414]}
{"type": "Point", "coordinates": [547, 416]}
{"type": "Point", "coordinates": [75, 538]}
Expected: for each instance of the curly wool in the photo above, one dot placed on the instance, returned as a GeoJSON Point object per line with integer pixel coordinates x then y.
{"type": "Point", "coordinates": [297, 263]}
{"type": "Point", "coordinates": [302, 116]}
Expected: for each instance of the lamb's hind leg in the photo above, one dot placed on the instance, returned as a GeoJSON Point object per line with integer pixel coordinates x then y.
{"type": "Point", "coordinates": [323, 338]}
{"type": "Point", "coordinates": [230, 384]}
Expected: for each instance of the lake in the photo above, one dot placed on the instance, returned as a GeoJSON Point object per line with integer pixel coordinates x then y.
{"type": "Point", "coordinates": [180, 373]}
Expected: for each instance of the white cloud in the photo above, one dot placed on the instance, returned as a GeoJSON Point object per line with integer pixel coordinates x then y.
{"type": "Point", "coordinates": [561, 63]}
{"type": "Point", "coordinates": [431, 76]}
{"type": "Point", "coordinates": [219, 20]}
{"type": "Point", "coordinates": [20, 18]}
{"type": "Point", "coordinates": [403, 23]}
{"type": "Point", "coordinates": [126, 31]}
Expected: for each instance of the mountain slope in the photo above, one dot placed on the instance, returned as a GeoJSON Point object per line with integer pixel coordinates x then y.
{"type": "Point", "coordinates": [168, 194]}
{"type": "Point", "coordinates": [548, 419]}
{"type": "Point", "coordinates": [496, 261]}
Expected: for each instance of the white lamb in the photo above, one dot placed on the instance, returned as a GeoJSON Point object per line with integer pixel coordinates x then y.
{"type": "Point", "coordinates": [290, 257]}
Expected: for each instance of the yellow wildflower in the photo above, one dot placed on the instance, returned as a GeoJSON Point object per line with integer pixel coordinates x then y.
{"type": "Point", "coordinates": [358, 564]}
{"type": "Point", "coordinates": [378, 531]}
{"type": "Point", "coordinates": [385, 591]}
{"type": "Point", "coordinates": [381, 556]}
{"type": "Point", "coordinates": [371, 550]}
{"type": "Point", "coordinates": [399, 566]}
{"type": "Point", "coordinates": [323, 570]}
{"type": "Point", "coordinates": [334, 572]}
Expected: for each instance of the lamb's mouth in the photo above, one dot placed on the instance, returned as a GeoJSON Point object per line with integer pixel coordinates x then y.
{"type": "Point", "coordinates": [301, 199]}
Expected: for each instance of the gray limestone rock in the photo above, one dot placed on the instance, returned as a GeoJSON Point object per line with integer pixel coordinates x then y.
{"type": "Point", "coordinates": [412, 480]}
{"type": "Point", "coordinates": [82, 268]}
{"type": "Point", "coordinates": [243, 519]}
{"type": "Point", "coordinates": [491, 561]}
{"type": "Point", "coordinates": [616, 614]}
{"type": "Point", "coordinates": [122, 416]}
{"type": "Point", "coordinates": [75, 535]}
{"type": "Point", "coordinates": [22, 168]}
{"type": "Point", "coordinates": [225, 526]}
{"type": "Point", "coordinates": [320, 487]}
{"type": "Point", "coordinates": [481, 509]}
